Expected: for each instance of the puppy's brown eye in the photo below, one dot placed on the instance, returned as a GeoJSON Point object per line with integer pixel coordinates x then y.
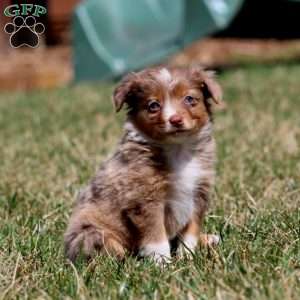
{"type": "Point", "coordinates": [189, 100]}
{"type": "Point", "coordinates": [153, 106]}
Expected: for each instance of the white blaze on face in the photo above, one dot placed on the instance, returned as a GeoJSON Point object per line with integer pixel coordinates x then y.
{"type": "Point", "coordinates": [168, 111]}
{"type": "Point", "coordinates": [164, 76]}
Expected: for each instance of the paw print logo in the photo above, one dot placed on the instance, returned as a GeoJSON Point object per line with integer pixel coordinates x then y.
{"type": "Point", "coordinates": [24, 32]}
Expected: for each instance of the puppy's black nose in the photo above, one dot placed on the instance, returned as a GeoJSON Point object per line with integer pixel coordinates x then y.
{"type": "Point", "coordinates": [176, 120]}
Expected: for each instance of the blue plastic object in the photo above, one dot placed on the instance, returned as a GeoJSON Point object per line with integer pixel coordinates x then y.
{"type": "Point", "coordinates": [113, 37]}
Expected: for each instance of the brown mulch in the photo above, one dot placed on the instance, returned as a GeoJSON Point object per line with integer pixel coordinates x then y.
{"type": "Point", "coordinates": [48, 67]}
{"type": "Point", "coordinates": [231, 52]}
{"type": "Point", "coordinates": [27, 69]}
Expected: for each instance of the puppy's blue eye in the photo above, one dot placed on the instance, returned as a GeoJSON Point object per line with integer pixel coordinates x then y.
{"type": "Point", "coordinates": [190, 100]}
{"type": "Point", "coordinates": [153, 106]}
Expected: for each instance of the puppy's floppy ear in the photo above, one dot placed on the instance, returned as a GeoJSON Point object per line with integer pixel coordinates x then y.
{"type": "Point", "coordinates": [123, 90]}
{"type": "Point", "coordinates": [209, 86]}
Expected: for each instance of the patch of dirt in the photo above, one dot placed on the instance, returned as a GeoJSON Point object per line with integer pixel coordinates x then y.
{"type": "Point", "coordinates": [231, 52]}
{"type": "Point", "coordinates": [27, 69]}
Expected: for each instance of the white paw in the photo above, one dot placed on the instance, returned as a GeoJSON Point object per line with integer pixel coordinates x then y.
{"type": "Point", "coordinates": [159, 252]}
{"type": "Point", "coordinates": [187, 247]}
{"type": "Point", "coordinates": [213, 240]}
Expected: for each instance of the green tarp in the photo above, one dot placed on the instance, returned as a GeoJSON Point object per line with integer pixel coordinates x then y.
{"type": "Point", "coordinates": [113, 37]}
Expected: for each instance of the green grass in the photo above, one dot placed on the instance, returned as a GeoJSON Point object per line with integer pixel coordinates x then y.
{"type": "Point", "coordinates": [53, 141]}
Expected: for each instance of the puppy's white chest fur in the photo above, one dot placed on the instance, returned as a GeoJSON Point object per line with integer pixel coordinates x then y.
{"type": "Point", "coordinates": [186, 175]}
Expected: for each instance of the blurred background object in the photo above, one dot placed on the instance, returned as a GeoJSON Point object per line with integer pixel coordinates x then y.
{"type": "Point", "coordinates": [59, 21]}
{"type": "Point", "coordinates": [112, 38]}
{"type": "Point", "coordinates": [109, 38]}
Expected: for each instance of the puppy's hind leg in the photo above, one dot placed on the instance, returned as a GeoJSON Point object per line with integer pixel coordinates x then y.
{"type": "Point", "coordinates": [210, 240]}
{"type": "Point", "coordinates": [86, 238]}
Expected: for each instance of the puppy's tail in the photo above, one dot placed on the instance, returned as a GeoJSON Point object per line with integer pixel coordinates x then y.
{"type": "Point", "coordinates": [88, 240]}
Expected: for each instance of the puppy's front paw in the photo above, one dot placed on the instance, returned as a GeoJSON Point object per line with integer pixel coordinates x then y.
{"type": "Point", "coordinates": [187, 247]}
{"type": "Point", "coordinates": [210, 240]}
{"type": "Point", "coordinates": [159, 252]}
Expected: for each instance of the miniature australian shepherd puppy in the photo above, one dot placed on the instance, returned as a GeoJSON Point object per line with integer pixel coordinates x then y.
{"type": "Point", "coordinates": [155, 187]}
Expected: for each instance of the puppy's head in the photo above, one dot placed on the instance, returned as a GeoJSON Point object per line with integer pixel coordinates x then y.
{"type": "Point", "coordinates": [168, 105]}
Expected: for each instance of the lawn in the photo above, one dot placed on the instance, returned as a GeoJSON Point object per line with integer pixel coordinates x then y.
{"type": "Point", "coordinates": [53, 141]}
